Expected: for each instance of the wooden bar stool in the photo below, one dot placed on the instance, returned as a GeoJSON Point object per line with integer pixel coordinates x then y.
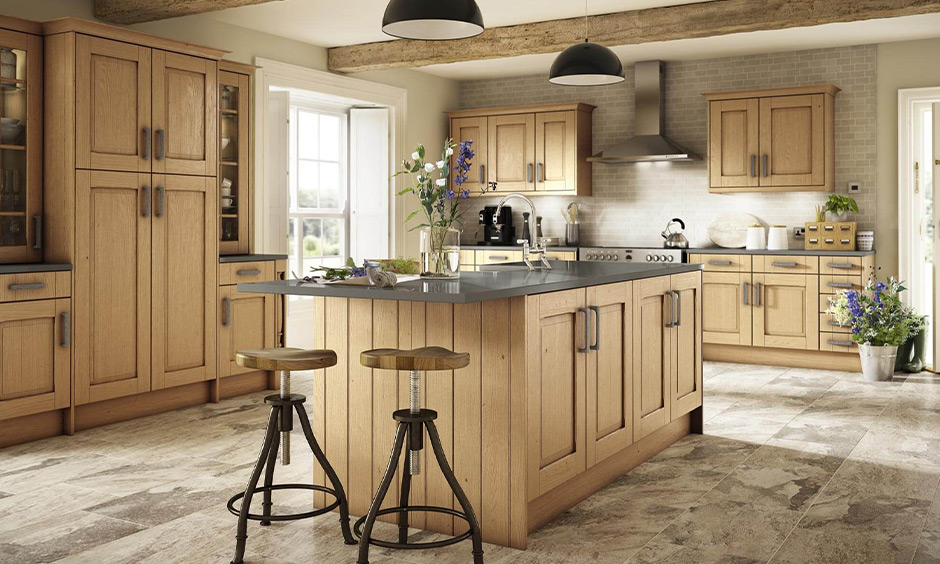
{"type": "Point", "coordinates": [283, 406]}
{"type": "Point", "coordinates": [412, 423]}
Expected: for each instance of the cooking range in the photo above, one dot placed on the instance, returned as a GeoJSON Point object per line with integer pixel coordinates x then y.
{"type": "Point", "coordinates": [630, 254]}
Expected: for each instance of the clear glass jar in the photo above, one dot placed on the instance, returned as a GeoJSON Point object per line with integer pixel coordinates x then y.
{"type": "Point", "coordinates": [440, 252]}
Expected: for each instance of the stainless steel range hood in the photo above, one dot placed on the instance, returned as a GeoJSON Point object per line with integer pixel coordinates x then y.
{"type": "Point", "coordinates": [649, 143]}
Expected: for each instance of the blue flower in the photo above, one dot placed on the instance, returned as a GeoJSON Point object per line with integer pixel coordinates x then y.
{"type": "Point", "coordinates": [449, 194]}
{"type": "Point", "coordinates": [465, 194]}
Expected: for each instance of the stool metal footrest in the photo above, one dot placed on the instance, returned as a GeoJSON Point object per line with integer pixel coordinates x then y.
{"type": "Point", "coordinates": [357, 528]}
{"type": "Point", "coordinates": [291, 516]}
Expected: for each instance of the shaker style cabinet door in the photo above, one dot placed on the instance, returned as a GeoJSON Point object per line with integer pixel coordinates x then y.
{"type": "Point", "coordinates": [185, 108]}
{"type": "Point", "coordinates": [555, 151]}
{"type": "Point", "coordinates": [686, 341]}
{"type": "Point", "coordinates": [792, 141]}
{"type": "Point", "coordinates": [556, 408]}
{"type": "Point", "coordinates": [112, 285]}
{"type": "Point", "coordinates": [734, 143]}
{"type": "Point", "coordinates": [234, 156]}
{"type": "Point", "coordinates": [653, 310]}
{"type": "Point", "coordinates": [726, 303]}
{"type": "Point", "coordinates": [185, 280]}
{"type": "Point", "coordinates": [34, 357]}
{"type": "Point", "coordinates": [246, 321]}
{"type": "Point", "coordinates": [112, 104]}
{"type": "Point", "coordinates": [511, 147]}
{"type": "Point", "coordinates": [472, 129]}
{"type": "Point", "coordinates": [610, 371]}
{"type": "Point", "coordinates": [785, 313]}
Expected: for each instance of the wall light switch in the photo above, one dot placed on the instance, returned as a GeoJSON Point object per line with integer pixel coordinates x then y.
{"type": "Point", "coordinates": [855, 187]}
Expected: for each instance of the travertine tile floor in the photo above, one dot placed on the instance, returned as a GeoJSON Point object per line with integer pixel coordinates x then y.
{"type": "Point", "coordinates": [796, 466]}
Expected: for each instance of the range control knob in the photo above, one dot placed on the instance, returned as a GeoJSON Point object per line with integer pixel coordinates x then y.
{"type": "Point", "coordinates": [649, 258]}
{"type": "Point", "coordinates": [655, 258]}
{"type": "Point", "coordinates": [616, 257]}
{"type": "Point", "coordinates": [670, 258]}
{"type": "Point", "coordinates": [591, 256]}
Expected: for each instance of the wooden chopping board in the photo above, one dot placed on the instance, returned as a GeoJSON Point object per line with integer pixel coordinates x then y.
{"type": "Point", "coordinates": [729, 230]}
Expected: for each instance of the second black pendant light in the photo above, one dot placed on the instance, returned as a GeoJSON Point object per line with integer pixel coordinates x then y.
{"type": "Point", "coordinates": [586, 64]}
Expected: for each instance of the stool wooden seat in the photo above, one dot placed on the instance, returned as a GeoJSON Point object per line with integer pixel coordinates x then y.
{"type": "Point", "coordinates": [425, 358]}
{"type": "Point", "coordinates": [285, 359]}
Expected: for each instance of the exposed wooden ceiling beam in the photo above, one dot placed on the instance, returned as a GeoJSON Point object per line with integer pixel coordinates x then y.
{"type": "Point", "coordinates": [139, 11]}
{"type": "Point", "coordinates": [686, 21]}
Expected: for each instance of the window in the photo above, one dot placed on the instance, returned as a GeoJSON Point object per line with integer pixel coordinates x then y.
{"type": "Point", "coordinates": [318, 213]}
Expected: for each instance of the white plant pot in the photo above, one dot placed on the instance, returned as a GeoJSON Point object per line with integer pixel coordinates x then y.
{"type": "Point", "coordinates": [877, 361]}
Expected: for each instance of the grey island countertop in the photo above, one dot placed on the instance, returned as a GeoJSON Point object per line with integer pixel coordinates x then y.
{"type": "Point", "coordinates": [504, 281]}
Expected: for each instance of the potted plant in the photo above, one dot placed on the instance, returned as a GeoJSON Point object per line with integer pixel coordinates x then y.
{"type": "Point", "coordinates": [880, 322]}
{"type": "Point", "coordinates": [439, 240]}
{"type": "Point", "coordinates": [840, 205]}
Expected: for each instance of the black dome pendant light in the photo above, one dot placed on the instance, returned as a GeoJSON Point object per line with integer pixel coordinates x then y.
{"type": "Point", "coordinates": [586, 64]}
{"type": "Point", "coordinates": [432, 20]}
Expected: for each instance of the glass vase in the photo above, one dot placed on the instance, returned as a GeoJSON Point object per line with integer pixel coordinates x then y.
{"type": "Point", "coordinates": [440, 253]}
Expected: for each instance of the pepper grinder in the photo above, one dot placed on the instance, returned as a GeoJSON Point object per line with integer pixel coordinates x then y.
{"type": "Point", "coordinates": [538, 228]}
{"type": "Point", "coordinates": [526, 234]}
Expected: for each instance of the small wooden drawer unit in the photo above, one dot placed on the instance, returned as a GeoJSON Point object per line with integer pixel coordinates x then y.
{"type": "Point", "coordinates": [832, 284]}
{"type": "Point", "coordinates": [239, 272]}
{"type": "Point", "coordinates": [33, 286]}
{"type": "Point", "coordinates": [786, 264]}
{"type": "Point", "coordinates": [823, 236]}
{"type": "Point", "coordinates": [841, 266]}
{"type": "Point", "coordinates": [722, 263]}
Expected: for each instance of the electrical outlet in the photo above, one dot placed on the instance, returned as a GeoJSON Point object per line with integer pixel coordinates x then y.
{"type": "Point", "coordinates": [799, 232]}
{"type": "Point", "coordinates": [855, 187]}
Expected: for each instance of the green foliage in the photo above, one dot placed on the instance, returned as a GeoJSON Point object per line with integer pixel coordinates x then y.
{"type": "Point", "coordinates": [877, 315]}
{"type": "Point", "coordinates": [401, 266]}
{"type": "Point", "coordinates": [838, 204]}
{"type": "Point", "coordinates": [437, 200]}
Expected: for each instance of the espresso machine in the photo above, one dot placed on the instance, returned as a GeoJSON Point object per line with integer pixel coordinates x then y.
{"type": "Point", "coordinates": [500, 232]}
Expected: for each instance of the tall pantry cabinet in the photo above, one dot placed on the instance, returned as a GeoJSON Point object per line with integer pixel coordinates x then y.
{"type": "Point", "coordinates": [130, 198]}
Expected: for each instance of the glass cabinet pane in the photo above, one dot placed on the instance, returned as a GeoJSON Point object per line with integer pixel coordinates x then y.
{"type": "Point", "coordinates": [12, 181]}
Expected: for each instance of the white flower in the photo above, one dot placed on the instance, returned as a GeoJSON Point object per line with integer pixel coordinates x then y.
{"type": "Point", "coordinates": [441, 182]}
{"type": "Point", "coordinates": [415, 155]}
{"type": "Point", "coordinates": [441, 164]}
{"type": "Point", "coordinates": [449, 151]}
{"type": "Point", "coordinates": [429, 167]}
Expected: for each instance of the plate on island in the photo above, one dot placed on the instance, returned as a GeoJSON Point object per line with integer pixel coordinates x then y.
{"type": "Point", "coordinates": [729, 230]}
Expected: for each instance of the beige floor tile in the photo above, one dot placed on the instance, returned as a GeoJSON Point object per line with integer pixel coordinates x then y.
{"type": "Point", "coordinates": [890, 447]}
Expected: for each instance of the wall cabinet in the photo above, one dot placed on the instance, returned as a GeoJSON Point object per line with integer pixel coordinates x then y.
{"type": "Point", "coordinates": [772, 140]}
{"type": "Point", "coordinates": [234, 156]}
{"type": "Point", "coordinates": [529, 149]}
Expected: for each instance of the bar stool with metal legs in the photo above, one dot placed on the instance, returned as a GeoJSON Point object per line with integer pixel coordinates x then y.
{"type": "Point", "coordinates": [280, 424]}
{"type": "Point", "coordinates": [411, 424]}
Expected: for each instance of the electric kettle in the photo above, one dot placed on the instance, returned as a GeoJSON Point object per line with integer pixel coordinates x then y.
{"type": "Point", "coordinates": [675, 239]}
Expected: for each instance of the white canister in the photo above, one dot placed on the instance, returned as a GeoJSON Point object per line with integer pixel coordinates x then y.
{"type": "Point", "coordinates": [756, 238]}
{"type": "Point", "coordinates": [777, 238]}
{"type": "Point", "coordinates": [865, 240]}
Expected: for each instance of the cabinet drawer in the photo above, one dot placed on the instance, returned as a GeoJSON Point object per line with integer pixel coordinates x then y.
{"type": "Point", "coordinates": [467, 258]}
{"type": "Point", "coordinates": [826, 300]}
{"type": "Point", "coordinates": [841, 266]}
{"type": "Point", "coordinates": [786, 264]}
{"type": "Point", "coordinates": [828, 324]}
{"type": "Point", "coordinates": [34, 286]}
{"type": "Point", "coordinates": [723, 263]}
{"type": "Point", "coordinates": [496, 257]}
{"type": "Point", "coordinates": [238, 272]}
{"type": "Point", "coordinates": [562, 255]}
{"type": "Point", "coordinates": [833, 342]}
{"type": "Point", "coordinates": [831, 284]}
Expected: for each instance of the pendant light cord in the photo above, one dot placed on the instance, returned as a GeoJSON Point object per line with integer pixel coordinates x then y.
{"type": "Point", "coordinates": [585, 21]}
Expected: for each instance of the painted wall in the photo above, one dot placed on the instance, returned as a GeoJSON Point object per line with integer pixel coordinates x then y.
{"type": "Point", "coordinates": [428, 96]}
{"type": "Point", "coordinates": [908, 64]}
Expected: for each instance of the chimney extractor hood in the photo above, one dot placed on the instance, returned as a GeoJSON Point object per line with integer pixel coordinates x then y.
{"type": "Point", "coordinates": [649, 143]}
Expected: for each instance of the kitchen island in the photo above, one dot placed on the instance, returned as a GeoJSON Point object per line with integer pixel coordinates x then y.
{"type": "Point", "coordinates": [577, 375]}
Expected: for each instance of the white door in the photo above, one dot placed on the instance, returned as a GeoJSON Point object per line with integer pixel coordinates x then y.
{"type": "Point", "coordinates": [934, 231]}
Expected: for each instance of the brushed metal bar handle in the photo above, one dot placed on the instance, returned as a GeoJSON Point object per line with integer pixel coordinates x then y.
{"type": "Point", "coordinates": [678, 299]}
{"type": "Point", "coordinates": [842, 265]}
{"type": "Point", "coordinates": [30, 286]}
{"type": "Point", "coordinates": [744, 291]}
{"type": "Point", "coordinates": [841, 343]}
{"type": "Point", "coordinates": [753, 165]}
{"type": "Point", "coordinates": [840, 285]}
{"type": "Point", "coordinates": [66, 329]}
{"type": "Point", "coordinates": [37, 221]}
{"type": "Point", "coordinates": [226, 312]}
{"type": "Point", "coordinates": [160, 136]}
{"type": "Point", "coordinates": [757, 289]}
{"type": "Point", "coordinates": [483, 174]}
{"type": "Point", "coordinates": [528, 172]}
{"type": "Point", "coordinates": [248, 272]}
{"type": "Point", "coordinates": [764, 165]}
{"type": "Point", "coordinates": [597, 328]}
{"type": "Point", "coordinates": [785, 264]}
{"type": "Point", "coordinates": [146, 154]}
{"type": "Point", "coordinates": [837, 324]}
{"type": "Point", "coordinates": [672, 314]}
{"type": "Point", "coordinates": [587, 330]}
{"type": "Point", "coordinates": [720, 262]}
{"type": "Point", "coordinates": [160, 192]}
{"type": "Point", "coordinates": [497, 257]}
{"type": "Point", "coordinates": [146, 201]}
{"type": "Point", "coordinates": [539, 177]}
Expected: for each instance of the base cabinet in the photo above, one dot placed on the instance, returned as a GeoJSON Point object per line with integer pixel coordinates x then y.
{"type": "Point", "coordinates": [785, 311]}
{"type": "Point", "coordinates": [246, 321]}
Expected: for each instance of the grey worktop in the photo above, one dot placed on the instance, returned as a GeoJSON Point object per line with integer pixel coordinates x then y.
{"type": "Point", "coordinates": [503, 281]}
{"type": "Point", "coordinates": [723, 251]}
{"type": "Point", "coordinates": [33, 267]}
{"type": "Point", "coordinates": [511, 248]}
{"type": "Point", "coordinates": [250, 258]}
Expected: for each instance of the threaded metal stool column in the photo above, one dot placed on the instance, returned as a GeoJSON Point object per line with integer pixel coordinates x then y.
{"type": "Point", "coordinates": [280, 424]}
{"type": "Point", "coordinates": [412, 423]}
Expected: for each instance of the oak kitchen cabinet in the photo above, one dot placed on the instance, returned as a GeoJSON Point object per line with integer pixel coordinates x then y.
{"type": "Point", "coordinates": [132, 202]}
{"type": "Point", "coordinates": [246, 320]}
{"type": "Point", "coordinates": [472, 257]}
{"type": "Point", "coordinates": [772, 140]}
{"type": "Point", "coordinates": [235, 145]}
{"type": "Point", "coordinates": [529, 149]}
